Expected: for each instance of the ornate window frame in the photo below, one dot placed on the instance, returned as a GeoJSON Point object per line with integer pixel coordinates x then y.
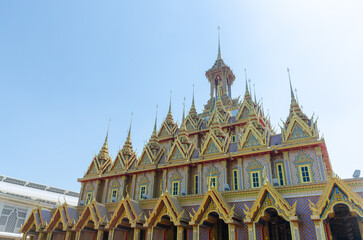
{"type": "Point", "coordinates": [175, 184]}
{"type": "Point", "coordinates": [308, 168]}
{"type": "Point", "coordinates": [258, 172]}
{"type": "Point", "coordinates": [142, 186]}
{"type": "Point", "coordinates": [281, 172]}
{"type": "Point", "coordinates": [89, 196]}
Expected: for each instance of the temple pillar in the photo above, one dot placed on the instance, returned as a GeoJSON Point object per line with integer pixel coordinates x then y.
{"type": "Point", "coordinates": [23, 237]}
{"type": "Point", "coordinates": [224, 169]}
{"type": "Point", "coordinates": [42, 236]}
{"type": "Point", "coordinates": [137, 233]}
{"type": "Point", "coordinates": [200, 178]}
{"type": "Point", "coordinates": [232, 232]}
{"type": "Point", "coordinates": [151, 194]}
{"type": "Point", "coordinates": [319, 228]}
{"type": "Point", "coordinates": [99, 235]}
{"type": "Point", "coordinates": [49, 236]}
{"type": "Point", "coordinates": [322, 168]}
{"type": "Point", "coordinates": [165, 171]}
{"type": "Point", "coordinates": [287, 167]}
{"type": "Point", "coordinates": [106, 191]}
{"type": "Point", "coordinates": [186, 179]}
{"type": "Point", "coordinates": [68, 235]}
{"type": "Point", "coordinates": [111, 234]}
{"type": "Point", "coordinates": [122, 185]}
{"type": "Point", "coordinates": [133, 186]}
{"type": "Point", "coordinates": [149, 233]}
{"type": "Point", "coordinates": [78, 235]}
{"type": "Point", "coordinates": [294, 227]}
{"type": "Point", "coordinates": [196, 232]}
{"type": "Point", "coordinates": [180, 233]}
{"type": "Point", "coordinates": [240, 173]}
{"type": "Point", "coordinates": [251, 231]}
{"type": "Point", "coordinates": [268, 170]}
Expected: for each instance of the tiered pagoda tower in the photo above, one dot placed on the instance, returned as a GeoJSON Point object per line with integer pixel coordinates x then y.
{"type": "Point", "coordinates": [224, 173]}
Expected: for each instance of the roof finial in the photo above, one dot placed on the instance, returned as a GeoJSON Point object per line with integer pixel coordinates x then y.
{"type": "Point", "coordinates": [219, 44]}
{"type": "Point", "coordinates": [170, 102]}
{"type": "Point", "coordinates": [249, 81]}
{"type": "Point", "coordinates": [108, 128]}
{"type": "Point", "coordinates": [156, 119]}
{"type": "Point", "coordinates": [184, 111]}
{"type": "Point", "coordinates": [246, 80]}
{"type": "Point", "coordinates": [193, 96]}
{"type": "Point", "coordinates": [129, 134]}
{"type": "Point", "coordinates": [292, 92]}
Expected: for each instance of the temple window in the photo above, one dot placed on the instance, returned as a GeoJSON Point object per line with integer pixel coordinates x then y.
{"type": "Point", "coordinates": [142, 191]}
{"type": "Point", "coordinates": [196, 184]}
{"type": "Point", "coordinates": [114, 193]}
{"type": "Point", "coordinates": [255, 179]}
{"type": "Point", "coordinates": [89, 197]}
{"type": "Point", "coordinates": [213, 181]}
{"type": "Point", "coordinates": [235, 179]}
{"type": "Point", "coordinates": [305, 173]}
{"type": "Point", "coordinates": [175, 188]}
{"type": "Point", "coordinates": [234, 139]}
{"type": "Point", "coordinates": [280, 173]}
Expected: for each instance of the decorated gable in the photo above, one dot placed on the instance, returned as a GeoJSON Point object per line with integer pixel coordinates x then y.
{"type": "Point", "coordinates": [297, 133]}
{"type": "Point", "coordinates": [145, 160]}
{"type": "Point", "coordinates": [252, 141]}
{"type": "Point", "coordinates": [212, 148]}
{"type": "Point", "coordinates": [177, 154]}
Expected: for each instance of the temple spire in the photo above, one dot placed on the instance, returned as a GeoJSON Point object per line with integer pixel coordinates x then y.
{"type": "Point", "coordinates": [156, 120]}
{"type": "Point", "coordinates": [127, 148]}
{"type": "Point", "coordinates": [104, 154]}
{"type": "Point", "coordinates": [169, 117]}
{"type": "Point", "coordinates": [291, 91]}
{"type": "Point", "coordinates": [219, 45]}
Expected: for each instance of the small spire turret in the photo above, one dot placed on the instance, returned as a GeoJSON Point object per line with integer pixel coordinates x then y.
{"type": "Point", "coordinates": [219, 45]}
{"type": "Point", "coordinates": [169, 117]}
{"type": "Point", "coordinates": [104, 153]}
{"type": "Point", "coordinates": [127, 148]}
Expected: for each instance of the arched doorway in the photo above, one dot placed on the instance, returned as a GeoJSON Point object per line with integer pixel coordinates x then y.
{"type": "Point", "coordinates": [214, 227]}
{"type": "Point", "coordinates": [165, 229]}
{"type": "Point", "coordinates": [344, 224]}
{"type": "Point", "coordinates": [124, 230]}
{"type": "Point", "coordinates": [273, 226]}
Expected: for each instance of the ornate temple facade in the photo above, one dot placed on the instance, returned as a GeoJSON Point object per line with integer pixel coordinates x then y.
{"type": "Point", "coordinates": [224, 173]}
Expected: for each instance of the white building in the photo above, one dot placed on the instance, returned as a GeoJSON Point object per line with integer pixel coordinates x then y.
{"type": "Point", "coordinates": [17, 199]}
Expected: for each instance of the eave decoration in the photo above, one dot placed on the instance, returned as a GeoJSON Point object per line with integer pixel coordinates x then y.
{"type": "Point", "coordinates": [336, 192]}
{"type": "Point", "coordinates": [127, 209]}
{"type": "Point", "coordinates": [95, 212]}
{"type": "Point", "coordinates": [64, 215]}
{"type": "Point", "coordinates": [268, 197]}
{"type": "Point", "coordinates": [214, 202]}
{"type": "Point", "coordinates": [37, 220]}
{"type": "Point", "coordinates": [169, 206]}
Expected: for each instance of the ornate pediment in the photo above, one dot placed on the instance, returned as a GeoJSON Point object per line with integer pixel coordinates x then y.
{"type": "Point", "coordinates": [254, 137]}
{"type": "Point", "coordinates": [98, 167]}
{"type": "Point", "coordinates": [127, 209]}
{"type": "Point", "coordinates": [336, 191]}
{"type": "Point", "coordinates": [168, 129]}
{"type": "Point", "coordinates": [213, 201]}
{"type": "Point", "coordinates": [269, 197]}
{"type": "Point", "coordinates": [167, 205]}
{"type": "Point", "coordinates": [218, 116]}
{"type": "Point", "coordinates": [95, 212]}
{"type": "Point", "coordinates": [150, 156]}
{"type": "Point", "coordinates": [65, 215]}
{"type": "Point", "coordinates": [297, 129]}
{"type": "Point", "coordinates": [215, 144]}
{"type": "Point", "coordinates": [123, 161]}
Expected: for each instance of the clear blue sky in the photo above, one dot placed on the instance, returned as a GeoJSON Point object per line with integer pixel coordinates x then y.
{"type": "Point", "coordinates": [66, 67]}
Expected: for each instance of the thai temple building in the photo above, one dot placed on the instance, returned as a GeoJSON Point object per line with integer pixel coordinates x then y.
{"type": "Point", "coordinates": [223, 173]}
